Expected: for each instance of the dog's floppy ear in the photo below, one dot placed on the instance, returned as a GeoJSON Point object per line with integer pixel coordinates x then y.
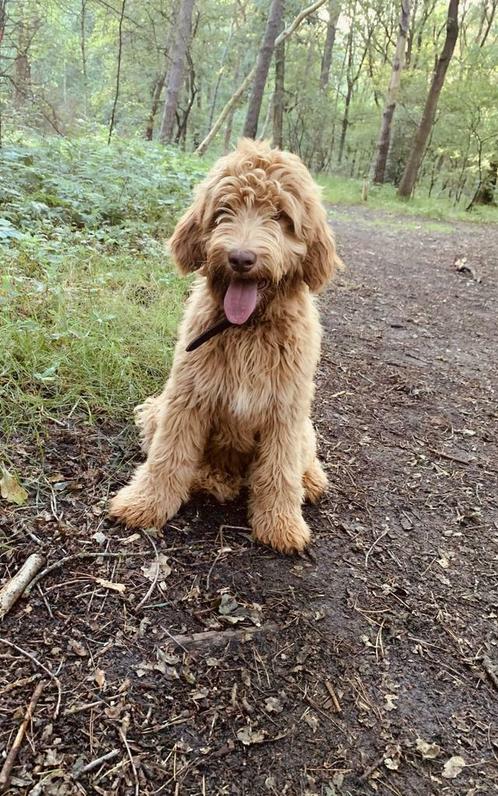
{"type": "Point", "coordinates": [186, 243]}
{"type": "Point", "coordinates": [321, 259]}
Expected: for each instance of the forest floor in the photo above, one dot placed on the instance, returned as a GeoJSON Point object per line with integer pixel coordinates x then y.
{"type": "Point", "coordinates": [368, 667]}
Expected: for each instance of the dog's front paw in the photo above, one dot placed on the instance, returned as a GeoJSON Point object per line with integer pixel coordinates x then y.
{"type": "Point", "coordinates": [285, 534]}
{"type": "Point", "coordinates": [139, 505]}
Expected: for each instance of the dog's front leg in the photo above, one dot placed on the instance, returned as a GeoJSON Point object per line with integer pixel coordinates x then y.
{"type": "Point", "coordinates": [276, 491]}
{"type": "Point", "coordinates": [160, 485]}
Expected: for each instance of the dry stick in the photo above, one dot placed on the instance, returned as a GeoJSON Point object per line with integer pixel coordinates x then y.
{"type": "Point", "coordinates": [215, 637]}
{"type": "Point", "coordinates": [15, 587]}
{"type": "Point", "coordinates": [152, 586]}
{"type": "Point", "coordinates": [132, 762]}
{"type": "Point", "coordinates": [74, 557]}
{"type": "Point", "coordinates": [42, 666]}
{"type": "Point", "coordinates": [96, 763]}
{"type": "Point", "coordinates": [14, 749]}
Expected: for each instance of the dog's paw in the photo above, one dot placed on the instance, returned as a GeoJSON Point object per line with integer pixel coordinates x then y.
{"type": "Point", "coordinates": [314, 482]}
{"type": "Point", "coordinates": [285, 534]}
{"type": "Point", "coordinates": [137, 506]}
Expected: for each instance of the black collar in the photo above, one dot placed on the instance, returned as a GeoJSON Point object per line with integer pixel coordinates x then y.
{"type": "Point", "coordinates": [218, 327]}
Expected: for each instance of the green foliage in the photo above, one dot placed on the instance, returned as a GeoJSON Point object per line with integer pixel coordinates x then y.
{"type": "Point", "coordinates": [342, 190]}
{"type": "Point", "coordinates": [89, 302]}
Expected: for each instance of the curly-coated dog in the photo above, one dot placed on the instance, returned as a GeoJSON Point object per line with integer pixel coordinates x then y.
{"type": "Point", "coordinates": [236, 407]}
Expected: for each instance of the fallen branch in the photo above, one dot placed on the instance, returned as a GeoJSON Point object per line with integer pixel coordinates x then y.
{"type": "Point", "coordinates": [42, 666]}
{"type": "Point", "coordinates": [75, 557]}
{"type": "Point", "coordinates": [218, 637]}
{"type": "Point", "coordinates": [14, 588]}
{"type": "Point", "coordinates": [6, 771]}
{"type": "Point", "coordinates": [79, 771]}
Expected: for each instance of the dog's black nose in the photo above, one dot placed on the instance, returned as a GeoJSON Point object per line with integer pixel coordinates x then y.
{"type": "Point", "coordinates": [241, 260]}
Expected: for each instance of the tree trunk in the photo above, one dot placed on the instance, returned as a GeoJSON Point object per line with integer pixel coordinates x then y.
{"type": "Point", "coordinates": [418, 149]}
{"type": "Point", "coordinates": [265, 54]}
{"type": "Point", "coordinates": [279, 96]}
{"type": "Point", "coordinates": [234, 99]}
{"type": "Point", "coordinates": [485, 194]}
{"type": "Point", "coordinates": [156, 96]}
{"type": "Point", "coordinates": [118, 72]}
{"type": "Point", "coordinates": [22, 67]}
{"type": "Point", "coordinates": [334, 11]}
{"type": "Point", "coordinates": [345, 122]}
{"type": "Point", "coordinates": [392, 94]}
{"type": "Point", "coordinates": [175, 76]}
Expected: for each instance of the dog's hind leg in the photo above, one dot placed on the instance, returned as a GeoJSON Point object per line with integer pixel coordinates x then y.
{"type": "Point", "coordinates": [163, 482]}
{"type": "Point", "coordinates": [146, 420]}
{"type": "Point", "coordinates": [314, 479]}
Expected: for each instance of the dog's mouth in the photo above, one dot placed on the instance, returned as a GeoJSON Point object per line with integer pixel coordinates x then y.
{"type": "Point", "coordinates": [241, 299]}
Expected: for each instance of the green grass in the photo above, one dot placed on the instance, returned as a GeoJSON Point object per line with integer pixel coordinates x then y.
{"type": "Point", "coordinates": [89, 302]}
{"type": "Point", "coordinates": [341, 190]}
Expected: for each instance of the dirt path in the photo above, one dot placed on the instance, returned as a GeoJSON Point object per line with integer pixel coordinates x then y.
{"type": "Point", "coordinates": [338, 664]}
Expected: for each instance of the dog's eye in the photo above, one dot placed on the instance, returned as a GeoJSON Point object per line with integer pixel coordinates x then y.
{"type": "Point", "coordinates": [283, 218]}
{"type": "Point", "coordinates": [217, 216]}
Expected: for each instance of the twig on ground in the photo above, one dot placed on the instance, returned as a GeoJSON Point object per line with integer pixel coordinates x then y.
{"type": "Point", "coordinates": [78, 772]}
{"type": "Point", "coordinates": [122, 735]}
{"type": "Point", "coordinates": [152, 586]}
{"type": "Point", "coordinates": [375, 542]}
{"type": "Point", "coordinates": [14, 749]}
{"type": "Point", "coordinates": [333, 696]}
{"type": "Point", "coordinates": [75, 557]}
{"type": "Point", "coordinates": [218, 637]}
{"type": "Point", "coordinates": [42, 666]}
{"type": "Point", "coordinates": [15, 587]}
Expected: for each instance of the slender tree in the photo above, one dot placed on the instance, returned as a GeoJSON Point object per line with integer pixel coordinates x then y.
{"type": "Point", "coordinates": [416, 155]}
{"type": "Point", "coordinates": [262, 67]}
{"type": "Point", "coordinates": [279, 96]}
{"type": "Point", "coordinates": [118, 72]}
{"type": "Point", "coordinates": [334, 12]}
{"type": "Point", "coordinates": [176, 72]}
{"type": "Point", "coordinates": [392, 94]}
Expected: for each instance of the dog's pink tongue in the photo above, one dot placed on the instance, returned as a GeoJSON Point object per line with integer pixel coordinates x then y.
{"type": "Point", "coordinates": [240, 300]}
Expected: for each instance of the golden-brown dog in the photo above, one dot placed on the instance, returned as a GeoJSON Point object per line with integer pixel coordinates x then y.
{"type": "Point", "coordinates": [236, 408]}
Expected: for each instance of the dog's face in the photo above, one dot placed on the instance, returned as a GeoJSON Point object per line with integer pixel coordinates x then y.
{"type": "Point", "coordinates": [256, 226]}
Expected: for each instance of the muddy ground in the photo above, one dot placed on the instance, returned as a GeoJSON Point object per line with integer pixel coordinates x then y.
{"type": "Point", "coordinates": [369, 667]}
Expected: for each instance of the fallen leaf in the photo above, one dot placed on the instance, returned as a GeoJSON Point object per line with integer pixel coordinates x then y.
{"type": "Point", "coordinates": [99, 537]}
{"type": "Point", "coordinates": [11, 490]}
{"type": "Point", "coordinates": [273, 705]}
{"type": "Point", "coordinates": [158, 567]}
{"type": "Point", "coordinates": [453, 767]}
{"type": "Point", "coordinates": [429, 751]}
{"type": "Point", "coordinates": [312, 721]}
{"type": "Point", "coordinates": [247, 736]}
{"type": "Point", "coordinates": [391, 701]}
{"type": "Point", "coordinates": [109, 584]}
{"type": "Point", "coordinates": [100, 678]}
{"type": "Point", "coordinates": [77, 648]}
{"type": "Point", "coordinates": [227, 605]}
{"type": "Point", "coordinates": [393, 757]}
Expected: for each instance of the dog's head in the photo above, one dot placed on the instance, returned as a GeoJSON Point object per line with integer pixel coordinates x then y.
{"type": "Point", "coordinates": [256, 225]}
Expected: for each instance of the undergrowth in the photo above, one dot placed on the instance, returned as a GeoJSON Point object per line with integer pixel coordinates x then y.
{"type": "Point", "coordinates": [89, 302]}
{"type": "Point", "coordinates": [341, 190]}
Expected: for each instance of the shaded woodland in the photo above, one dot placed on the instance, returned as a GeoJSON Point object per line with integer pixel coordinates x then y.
{"type": "Point", "coordinates": [397, 91]}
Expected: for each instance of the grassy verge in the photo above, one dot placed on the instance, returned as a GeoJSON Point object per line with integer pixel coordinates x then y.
{"type": "Point", "coordinates": [89, 302]}
{"type": "Point", "coordinates": [341, 190]}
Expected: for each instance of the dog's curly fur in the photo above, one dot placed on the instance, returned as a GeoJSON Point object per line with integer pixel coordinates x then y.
{"type": "Point", "coordinates": [237, 410]}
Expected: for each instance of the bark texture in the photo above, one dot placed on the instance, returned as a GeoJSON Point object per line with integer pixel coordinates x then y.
{"type": "Point", "coordinates": [334, 11]}
{"type": "Point", "coordinates": [265, 54]}
{"type": "Point", "coordinates": [392, 94]}
{"type": "Point", "coordinates": [176, 72]}
{"type": "Point", "coordinates": [416, 155]}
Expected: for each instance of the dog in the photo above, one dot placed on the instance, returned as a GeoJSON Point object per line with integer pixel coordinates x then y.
{"type": "Point", "coordinates": [236, 408]}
